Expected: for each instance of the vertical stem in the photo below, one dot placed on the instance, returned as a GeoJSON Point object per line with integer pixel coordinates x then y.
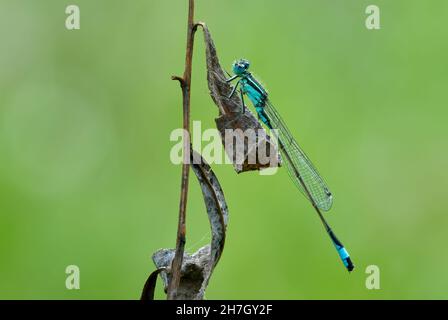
{"type": "Point", "coordinates": [185, 83]}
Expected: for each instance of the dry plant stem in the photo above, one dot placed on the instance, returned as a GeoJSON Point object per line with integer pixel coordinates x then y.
{"type": "Point", "coordinates": [185, 83]}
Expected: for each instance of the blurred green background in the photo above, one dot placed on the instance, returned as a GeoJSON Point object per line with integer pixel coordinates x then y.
{"type": "Point", "coordinates": [85, 173]}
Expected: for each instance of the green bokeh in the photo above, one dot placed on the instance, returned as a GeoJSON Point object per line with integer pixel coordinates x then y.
{"type": "Point", "coordinates": [85, 173]}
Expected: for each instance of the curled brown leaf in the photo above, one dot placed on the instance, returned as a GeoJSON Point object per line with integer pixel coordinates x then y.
{"type": "Point", "coordinates": [198, 267]}
{"type": "Point", "coordinates": [231, 116]}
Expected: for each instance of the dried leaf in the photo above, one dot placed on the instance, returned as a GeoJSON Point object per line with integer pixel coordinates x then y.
{"type": "Point", "coordinates": [198, 267]}
{"type": "Point", "coordinates": [216, 205]}
{"type": "Point", "coordinates": [150, 285]}
{"type": "Point", "coordinates": [231, 116]}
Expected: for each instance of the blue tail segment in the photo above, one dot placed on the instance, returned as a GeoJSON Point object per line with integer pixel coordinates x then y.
{"type": "Point", "coordinates": [343, 254]}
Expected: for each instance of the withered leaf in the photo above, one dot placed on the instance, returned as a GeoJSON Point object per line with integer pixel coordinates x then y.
{"type": "Point", "coordinates": [150, 285]}
{"type": "Point", "coordinates": [232, 117]}
{"type": "Point", "coordinates": [198, 267]}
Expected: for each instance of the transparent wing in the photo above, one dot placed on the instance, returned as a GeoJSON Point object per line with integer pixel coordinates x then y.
{"type": "Point", "coordinates": [300, 168]}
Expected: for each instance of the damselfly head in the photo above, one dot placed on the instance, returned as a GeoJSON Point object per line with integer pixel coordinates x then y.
{"type": "Point", "coordinates": [240, 66]}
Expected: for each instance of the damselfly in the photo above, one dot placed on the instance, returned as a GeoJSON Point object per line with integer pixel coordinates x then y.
{"type": "Point", "coordinates": [300, 168]}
